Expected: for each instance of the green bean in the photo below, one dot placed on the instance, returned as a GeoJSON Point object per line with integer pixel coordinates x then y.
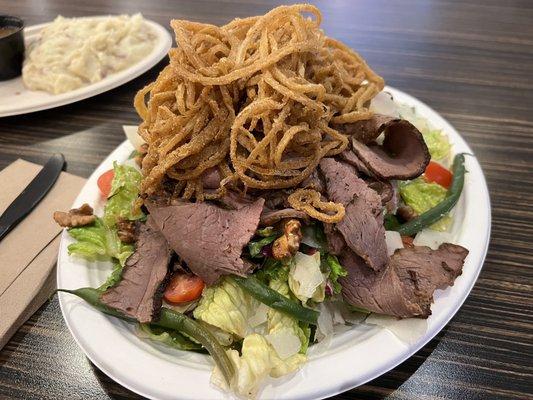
{"type": "Point", "coordinates": [434, 214]}
{"type": "Point", "coordinates": [169, 319]}
{"type": "Point", "coordinates": [173, 320]}
{"type": "Point", "coordinates": [273, 299]}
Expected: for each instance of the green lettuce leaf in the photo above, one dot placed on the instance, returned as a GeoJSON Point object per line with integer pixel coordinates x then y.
{"type": "Point", "coordinates": [258, 360]}
{"type": "Point", "coordinates": [272, 269]}
{"type": "Point", "coordinates": [279, 323]}
{"type": "Point", "coordinates": [336, 271]}
{"type": "Point", "coordinates": [113, 278]}
{"type": "Point", "coordinates": [255, 247]}
{"type": "Point", "coordinates": [98, 242]}
{"type": "Point", "coordinates": [438, 145]}
{"type": "Point", "coordinates": [124, 192]}
{"type": "Point", "coordinates": [227, 307]}
{"type": "Point", "coordinates": [167, 337]}
{"type": "Point", "coordinates": [422, 196]}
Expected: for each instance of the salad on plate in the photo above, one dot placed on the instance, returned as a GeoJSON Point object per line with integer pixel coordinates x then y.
{"type": "Point", "coordinates": [277, 195]}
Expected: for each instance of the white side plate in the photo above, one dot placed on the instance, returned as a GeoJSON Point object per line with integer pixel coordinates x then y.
{"type": "Point", "coordinates": [16, 99]}
{"type": "Point", "coordinates": [351, 359]}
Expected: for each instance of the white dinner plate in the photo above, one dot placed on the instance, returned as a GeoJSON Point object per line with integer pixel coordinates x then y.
{"type": "Point", "coordinates": [16, 99]}
{"type": "Point", "coordinates": [352, 358]}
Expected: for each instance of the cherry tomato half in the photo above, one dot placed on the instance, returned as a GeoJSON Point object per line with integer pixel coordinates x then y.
{"type": "Point", "coordinates": [438, 174]}
{"type": "Point", "coordinates": [104, 182]}
{"type": "Point", "coordinates": [183, 288]}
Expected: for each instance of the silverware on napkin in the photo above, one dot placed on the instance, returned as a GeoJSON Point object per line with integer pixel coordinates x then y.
{"type": "Point", "coordinates": [32, 194]}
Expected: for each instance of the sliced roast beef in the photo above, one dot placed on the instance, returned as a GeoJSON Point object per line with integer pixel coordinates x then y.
{"type": "Point", "coordinates": [405, 287]}
{"type": "Point", "coordinates": [343, 184]}
{"type": "Point", "coordinates": [364, 233]}
{"type": "Point", "coordinates": [209, 238]}
{"type": "Point", "coordinates": [271, 217]}
{"type": "Point", "coordinates": [276, 199]}
{"type": "Point", "coordinates": [235, 201]}
{"type": "Point", "coordinates": [350, 157]}
{"type": "Point", "coordinates": [403, 155]}
{"type": "Point", "coordinates": [334, 238]}
{"type": "Point", "coordinates": [362, 226]}
{"type": "Point", "coordinates": [314, 181]}
{"type": "Point", "coordinates": [138, 294]}
{"type": "Point", "coordinates": [365, 131]}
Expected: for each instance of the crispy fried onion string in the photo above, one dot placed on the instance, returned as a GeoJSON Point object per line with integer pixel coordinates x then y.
{"type": "Point", "coordinates": [308, 201]}
{"type": "Point", "coordinates": [256, 99]}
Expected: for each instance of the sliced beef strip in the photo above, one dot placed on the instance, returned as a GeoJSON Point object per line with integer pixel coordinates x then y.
{"type": "Point", "coordinates": [276, 199]}
{"type": "Point", "coordinates": [208, 238]}
{"type": "Point", "coordinates": [383, 188]}
{"type": "Point", "coordinates": [405, 287]}
{"type": "Point", "coordinates": [365, 131]}
{"type": "Point", "coordinates": [403, 155]}
{"type": "Point", "coordinates": [334, 238]}
{"type": "Point", "coordinates": [362, 226]}
{"type": "Point", "coordinates": [314, 181]}
{"type": "Point", "coordinates": [364, 233]}
{"type": "Point", "coordinates": [343, 184]}
{"type": "Point", "coordinates": [350, 157]}
{"type": "Point", "coordinates": [139, 292]}
{"type": "Point", "coordinates": [271, 217]}
{"type": "Point", "coordinates": [234, 201]}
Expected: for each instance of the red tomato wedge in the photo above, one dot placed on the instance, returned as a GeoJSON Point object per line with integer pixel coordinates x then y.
{"type": "Point", "coordinates": [104, 182]}
{"type": "Point", "coordinates": [183, 288]}
{"type": "Point", "coordinates": [438, 174]}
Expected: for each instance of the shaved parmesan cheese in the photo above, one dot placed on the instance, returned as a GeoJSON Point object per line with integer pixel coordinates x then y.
{"type": "Point", "coordinates": [260, 316]}
{"type": "Point", "coordinates": [394, 241]}
{"type": "Point", "coordinates": [133, 136]}
{"type": "Point", "coordinates": [285, 342]}
{"type": "Point", "coordinates": [324, 327]}
{"type": "Point", "coordinates": [305, 275]}
{"type": "Point", "coordinates": [383, 104]}
{"type": "Point", "coordinates": [431, 238]}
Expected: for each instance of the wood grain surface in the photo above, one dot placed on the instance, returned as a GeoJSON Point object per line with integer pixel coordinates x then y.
{"type": "Point", "coordinates": [472, 61]}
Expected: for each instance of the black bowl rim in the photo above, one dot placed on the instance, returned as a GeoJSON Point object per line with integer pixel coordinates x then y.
{"type": "Point", "coordinates": [13, 22]}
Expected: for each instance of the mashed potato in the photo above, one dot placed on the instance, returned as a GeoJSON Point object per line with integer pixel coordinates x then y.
{"type": "Point", "coordinates": [75, 52]}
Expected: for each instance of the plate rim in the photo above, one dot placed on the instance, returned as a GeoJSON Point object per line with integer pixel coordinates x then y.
{"type": "Point", "coordinates": [160, 50]}
{"type": "Point", "coordinates": [340, 385]}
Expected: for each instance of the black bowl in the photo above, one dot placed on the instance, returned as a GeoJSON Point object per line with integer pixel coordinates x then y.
{"type": "Point", "coordinates": [11, 47]}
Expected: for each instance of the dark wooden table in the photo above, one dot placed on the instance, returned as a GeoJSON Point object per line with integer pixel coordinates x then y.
{"type": "Point", "coordinates": [472, 61]}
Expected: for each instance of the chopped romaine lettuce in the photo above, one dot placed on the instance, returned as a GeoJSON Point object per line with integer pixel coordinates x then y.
{"type": "Point", "coordinates": [227, 307]}
{"type": "Point", "coordinates": [421, 196]}
{"type": "Point", "coordinates": [113, 278]}
{"type": "Point", "coordinates": [272, 270]}
{"type": "Point", "coordinates": [257, 361]}
{"type": "Point", "coordinates": [167, 337]}
{"type": "Point", "coordinates": [437, 143]}
{"type": "Point", "coordinates": [313, 236]}
{"type": "Point", "coordinates": [279, 323]}
{"type": "Point", "coordinates": [124, 193]}
{"type": "Point", "coordinates": [268, 231]}
{"type": "Point", "coordinates": [336, 271]}
{"type": "Point", "coordinates": [255, 247]}
{"type": "Point", "coordinates": [98, 242]}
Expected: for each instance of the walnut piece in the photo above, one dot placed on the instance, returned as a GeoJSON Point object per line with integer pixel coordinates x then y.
{"type": "Point", "coordinates": [288, 244]}
{"type": "Point", "coordinates": [75, 217]}
{"type": "Point", "coordinates": [126, 231]}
